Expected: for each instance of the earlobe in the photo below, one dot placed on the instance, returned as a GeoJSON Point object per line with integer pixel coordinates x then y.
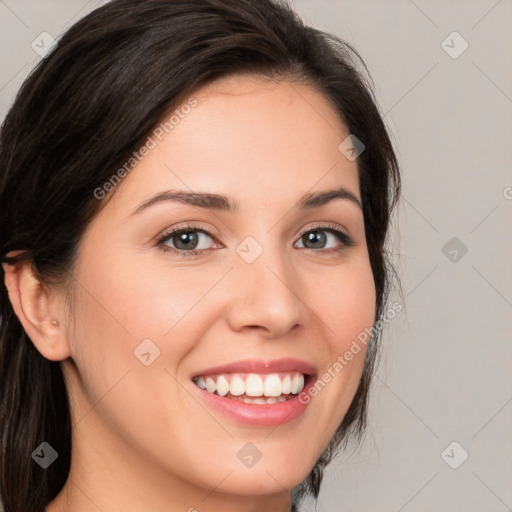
{"type": "Point", "coordinates": [38, 310]}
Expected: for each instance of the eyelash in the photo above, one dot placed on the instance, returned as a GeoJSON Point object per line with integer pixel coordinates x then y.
{"type": "Point", "coordinates": [346, 240]}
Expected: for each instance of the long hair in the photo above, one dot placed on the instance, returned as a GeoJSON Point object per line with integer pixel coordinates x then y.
{"type": "Point", "coordinates": [85, 108]}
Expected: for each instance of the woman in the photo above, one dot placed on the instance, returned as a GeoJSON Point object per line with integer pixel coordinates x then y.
{"type": "Point", "coordinates": [195, 200]}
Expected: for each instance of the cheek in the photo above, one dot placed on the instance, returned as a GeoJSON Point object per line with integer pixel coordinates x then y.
{"type": "Point", "coordinates": [136, 298]}
{"type": "Point", "coordinates": [346, 305]}
{"type": "Point", "coordinates": [345, 301]}
{"type": "Point", "coordinates": [124, 301]}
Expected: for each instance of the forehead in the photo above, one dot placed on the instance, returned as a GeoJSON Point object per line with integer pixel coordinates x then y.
{"type": "Point", "coordinates": [249, 137]}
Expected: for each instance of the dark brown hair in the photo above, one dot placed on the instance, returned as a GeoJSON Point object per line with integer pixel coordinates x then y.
{"type": "Point", "coordinates": [80, 115]}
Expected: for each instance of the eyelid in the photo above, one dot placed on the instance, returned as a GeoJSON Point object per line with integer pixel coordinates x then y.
{"type": "Point", "coordinates": [323, 225]}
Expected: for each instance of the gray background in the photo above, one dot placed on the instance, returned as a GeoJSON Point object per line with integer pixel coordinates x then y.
{"type": "Point", "coordinates": [446, 371]}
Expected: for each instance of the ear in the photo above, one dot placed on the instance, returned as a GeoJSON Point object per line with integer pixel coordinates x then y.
{"type": "Point", "coordinates": [39, 310]}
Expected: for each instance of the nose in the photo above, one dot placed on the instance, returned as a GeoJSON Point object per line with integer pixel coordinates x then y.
{"type": "Point", "coordinates": [266, 296]}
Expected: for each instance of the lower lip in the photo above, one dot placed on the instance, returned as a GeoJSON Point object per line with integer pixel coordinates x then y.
{"type": "Point", "coordinates": [254, 414]}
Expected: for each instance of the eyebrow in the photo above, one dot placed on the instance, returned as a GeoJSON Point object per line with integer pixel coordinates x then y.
{"type": "Point", "coordinates": [223, 203]}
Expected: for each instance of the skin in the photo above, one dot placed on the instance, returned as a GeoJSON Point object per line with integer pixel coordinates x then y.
{"type": "Point", "coordinates": [140, 441]}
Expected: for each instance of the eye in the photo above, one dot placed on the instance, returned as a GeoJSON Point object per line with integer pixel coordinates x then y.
{"type": "Point", "coordinates": [186, 240]}
{"type": "Point", "coordinates": [192, 241]}
{"type": "Point", "coordinates": [319, 237]}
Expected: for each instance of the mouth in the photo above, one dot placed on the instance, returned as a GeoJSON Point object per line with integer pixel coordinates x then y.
{"type": "Point", "coordinates": [254, 388]}
{"type": "Point", "coordinates": [257, 392]}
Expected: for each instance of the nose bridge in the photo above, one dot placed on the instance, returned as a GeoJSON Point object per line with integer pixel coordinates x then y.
{"type": "Point", "coordinates": [266, 293]}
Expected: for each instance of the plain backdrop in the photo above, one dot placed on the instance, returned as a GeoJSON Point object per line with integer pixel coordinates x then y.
{"type": "Point", "coordinates": [441, 408]}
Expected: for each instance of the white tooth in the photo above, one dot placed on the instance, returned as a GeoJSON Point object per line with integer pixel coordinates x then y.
{"type": "Point", "coordinates": [301, 383]}
{"type": "Point", "coordinates": [281, 399]}
{"type": "Point", "coordinates": [210, 385]}
{"type": "Point", "coordinates": [253, 385]}
{"type": "Point", "coordinates": [222, 385]}
{"type": "Point", "coordinates": [201, 383]}
{"type": "Point", "coordinates": [287, 385]}
{"type": "Point", "coordinates": [260, 401]}
{"type": "Point", "coordinates": [272, 386]}
{"type": "Point", "coordinates": [295, 384]}
{"type": "Point", "coordinates": [271, 400]}
{"type": "Point", "coordinates": [237, 386]}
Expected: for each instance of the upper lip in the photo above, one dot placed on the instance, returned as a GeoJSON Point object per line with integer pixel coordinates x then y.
{"type": "Point", "coordinates": [260, 366]}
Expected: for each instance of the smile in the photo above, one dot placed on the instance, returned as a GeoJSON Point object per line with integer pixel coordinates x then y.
{"type": "Point", "coordinates": [253, 388]}
{"type": "Point", "coordinates": [256, 392]}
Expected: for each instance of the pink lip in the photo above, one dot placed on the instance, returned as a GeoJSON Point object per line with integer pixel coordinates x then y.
{"type": "Point", "coordinates": [260, 366]}
{"type": "Point", "coordinates": [253, 414]}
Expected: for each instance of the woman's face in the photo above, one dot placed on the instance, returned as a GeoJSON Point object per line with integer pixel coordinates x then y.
{"type": "Point", "coordinates": [267, 287]}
